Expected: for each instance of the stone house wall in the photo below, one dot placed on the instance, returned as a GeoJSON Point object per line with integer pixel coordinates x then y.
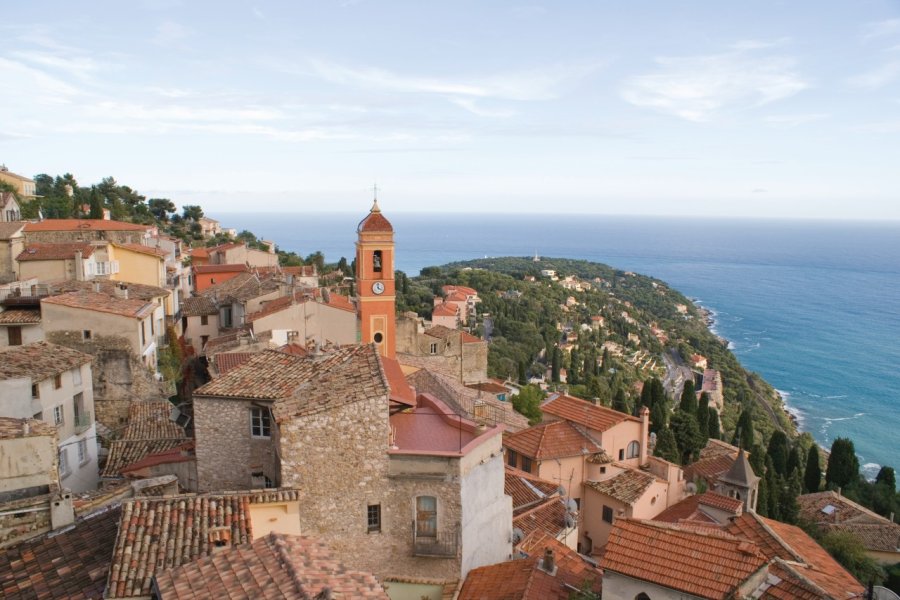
{"type": "Point", "coordinates": [226, 452]}
{"type": "Point", "coordinates": [84, 235]}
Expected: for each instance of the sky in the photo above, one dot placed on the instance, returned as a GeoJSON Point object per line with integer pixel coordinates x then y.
{"type": "Point", "coordinates": [786, 109]}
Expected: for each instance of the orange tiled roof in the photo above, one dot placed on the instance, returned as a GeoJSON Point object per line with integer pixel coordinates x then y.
{"type": "Point", "coordinates": [522, 579]}
{"type": "Point", "coordinates": [226, 361]}
{"type": "Point", "coordinates": [468, 338]}
{"type": "Point", "coordinates": [98, 302]}
{"type": "Point", "coordinates": [592, 416]}
{"type": "Point", "coordinates": [277, 565]}
{"type": "Point", "coordinates": [20, 316]}
{"type": "Point", "coordinates": [156, 534]}
{"type": "Point", "coordinates": [732, 505]}
{"type": "Point", "coordinates": [556, 439]}
{"type": "Point", "coordinates": [157, 252]}
{"type": "Point", "coordinates": [242, 287]}
{"type": "Point", "coordinates": [455, 296]}
{"type": "Point", "coordinates": [374, 222]}
{"type": "Point", "coordinates": [878, 537]}
{"type": "Point", "coordinates": [39, 360]}
{"type": "Point", "coordinates": [627, 486]}
{"type": "Point", "coordinates": [84, 225]}
{"type": "Point", "coordinates": [685, 511]}
{"type": "Point", "coordinates": [845, 510]}
{"type": "Point", "coordinates": [491, 387]}
{"type": "Point", "coordinates": [400, 388]}
{"type": "Point", "coordinates": [526, 489]}
{"type": "Point", "coordinates": [149, 431]}
{"type": "Point", "coordinates": [139, 291]}
{"type": "Point", "coordinates": [203, 269]}
{"type": "Point", "coordinates": [549, 516]}
{"type": "Point", "coordinates": [198, 306]}
{"type": "Point", "coordinates": [708, 564]}
{"type": "Point", "coordinates": [446, 289]}
{"type": "Point", "coordinates": [60, 251]}
{"type": "Point", "coordinates": [68, 564]}
{"type": "Point", "coordinates": [790, 585]}
{"type": "Point", "coordinates": [709, 469]}
{"type": "Point", "coordinates": [716, 447]}
{"type": "Point", "coordinates": [445, 310]}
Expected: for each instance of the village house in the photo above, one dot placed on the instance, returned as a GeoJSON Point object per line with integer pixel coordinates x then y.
{"type": "Point", "coordinates": [20, 313]}
{"type": "Point", "coordinates": [443, 349]}
{"type": "Point", "coordinates": [90, 315]}
{"type": "Point", "coordinates": [199, 321]}
{"type": "Point", "coordinates": [12, 243]}
{"type": "Point", "coordinates": [87, 230]}
{"type": "Point", "coordinates": [238, 253]}
{"type": "Point", "coordinates": [54, 384]}
{"type": "Point", "coordinates": [206, 276]}
{"type": "Point", "coordinates": [410, 475]}
{"type": "Point", "coordinates": [244, 294]}
{"type": "Point", "coordinates": [10, 210]}
{"type": "Point", "coordinates": [209, 227]}
{"type": "Point", "coordinates": [446, 314]}
{"type": "Point", "coordinates": [52, 262]}
{"type": "Point", "coordinates": [314, 317]}
{"type": "Point", "coordinates": [25, 187]}
{"type": "Point", "coordinates": [830, 511]}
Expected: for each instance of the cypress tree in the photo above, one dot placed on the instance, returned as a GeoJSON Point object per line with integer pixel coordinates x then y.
{"type": "Point", "coordinates": [778, 450]}
{"type": "Point", "coordinates": [790, 508]}
{"type": "Point", "coordinates": [774, 484]}
{"type": "Point", "coordinates": [743, 432]}
{"type": "Point", "coordinates": [646, 391]}
{"type": "Point", "coordinates": [659, 417]}
{"type": "Point", "coordinates": [620, 401]}
{"type": "Point", "coordinates": [812, 476]}
{"type": "Point", "coordinates": [687, 434]}
{"type": "Point", "coordinates": [762, 498]}
{"type": "Point", "coordinates": [713, 424]}
{"type": "Point", "coordinates": [667, 446]}
{"type": "Point", "coordinates": [554, 365]}
{"type": "Point", "coordinates": [757, 459]}
{"type": "Point", "coordinates": [703, 421]}
{"type": "Point", "coordinates": [688, 402]}
{"type": "Point", "coordinates": [843, 466]}
{"type": "Point", "coordinates": [522, 379]}
{"type": "Point", "coordinates": [96, 205]}
{"type": "Point", "coordinates": [658, 392]}
{"type": "Point", "coordinates": [887, 477]}
{"type": "Point", "coordinates": [795, 463]}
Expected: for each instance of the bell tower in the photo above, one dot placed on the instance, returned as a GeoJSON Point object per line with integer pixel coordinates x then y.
{"type": "Point", "coordinates": [375, 281]}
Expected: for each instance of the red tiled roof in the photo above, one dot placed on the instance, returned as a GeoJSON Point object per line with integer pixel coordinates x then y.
{"type": "Point", "coordinates": [39, 360]}
{"type": "Point", "coordinates": [708, 564]}
{"type": "Point", "coordinates": [468, 338]}
{"type": "Point", "coordinates": [374, 222]}
{"type": "Point", "coordinates": [181, 453]}
{"type": "Point", "coordinates": [791, 585]}
{"type": "Point", "coordinates": [445, 310]}
{"type": "Point", "coordinates": [150, 431]}
{"type": "Point", "coordinates": [732, 505]}
{"type": "Point", "coordinates": [84, 225]}
{"type": "Point", "coordinates": [446, 289]}
{"type": "Point", "coordinates": [277, 565]}
{"type": "Point", "coordinates": [156, 534]}
{"type": "Point", "coordinates": [20, 316]}
{"type": "Point", "coordinates": [592, 416]}
{"type": "Point", "coordinates": [549, 516]}
{"type": "Point", "coordinates": [709, 469]}
{"type": "Point", "coordinates": [627, 486]}
{"type": "Point", "coordinates": [99, 302]}
{"type": "Point", "coordinates": [433, 427]}
{"type": "Point", "coordinates": [490, 387]}
{"type": "Point", "coordinates": [527, 490]}
{"type": "Point", "coordinates": [204, 269]}
{"type": "Point", "coordinates": [68, 564]}
{"type": "Point", "coordinates": [226, 361]}
{"type": "Point", "coordinates": [455, 296]}
{"type": "Point", "coordinates": [689, 508]}
{"type": "Point", "coordinates": [522, 579]}
{"type": "Point", "coordinates": [400, 389]}
{"type": "Point", "coordinates": [556, 439]}
{"type": "Point", "coordinates": [198, 306]}
{"type": "Point", "coordinates": [59, 251]}
{"type": "Point", "coordinates": [845, 510]}
{"type": "Point", "coordinates": [157, 252]}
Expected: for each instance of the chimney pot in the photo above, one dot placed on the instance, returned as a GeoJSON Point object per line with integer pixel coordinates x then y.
{"type": "Point", "coordinates": [549, 565]}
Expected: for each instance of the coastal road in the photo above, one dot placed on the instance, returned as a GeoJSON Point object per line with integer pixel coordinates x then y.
{"type": "Point", "coordinates": [676, 373]}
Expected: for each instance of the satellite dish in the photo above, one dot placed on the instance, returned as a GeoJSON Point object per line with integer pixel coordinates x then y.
{"type": "Point", "coordinates": [571, 506]}
{"type": "Point", "coordinates": [691, 487]}
{"type": "Point", "coordinates": [570, 521]}
{"type": "Point", "coordinates": [561, 491]}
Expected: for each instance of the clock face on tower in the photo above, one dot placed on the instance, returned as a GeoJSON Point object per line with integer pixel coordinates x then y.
{"type": "Point", "coordinates": [378, 287]}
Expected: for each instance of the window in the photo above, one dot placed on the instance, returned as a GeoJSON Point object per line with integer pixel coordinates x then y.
{"type": "Point", "coordinates": [621, 454]}
{"type": "Point", "coordinates": [434, 348]}
{"type": "Point", "coordinates": [14, 335]}
{"type": "Point", "coordinates": [259, 480]}
{"type": "Point", "coordinates": [373, 517]}
{"type": "Point", "coordinates": [143, 333]}
{"type": "Point", "coordinates": [376, 261]}
{"type": "Point", "coordinates": [608, 514]}
{"type": "Point", "coordinates": [57, 381]}
{"type": "Point", "coordinates": [86, 334]}
{"type": "Point", "coordinates": [58, 415]}
{"type": "Point", "coordinates": [78, 405]}
{"type": "Point", "coordinates": [426, 516]}
{"type": "Point", "coordinates": [203, 340]}
{"type": "Point", "coordinates": [634, 450]}
{"type": "Point", "coordinates": [82, 452]}
{"type": "Point", "coordinates": [35, 391]}
{"type": "Point", "coordinates": [260, 423]}
{"type": "Point", "coordinates": [63, 462]}
{"type": "Point", "coordinates": [378, 337]}
{"type": "Point", "coordinates": [642, 596]}
{"type": "Point", "coordinates": [526, 464]}
{"type": "Point", "coordinates": [76, 376]}
{"type": "Point", "coordinates": [226, 317]}
{"type": "Point", "coordinates": [204, 319]}
{"type": "Point", "coordinates": [511, 458]}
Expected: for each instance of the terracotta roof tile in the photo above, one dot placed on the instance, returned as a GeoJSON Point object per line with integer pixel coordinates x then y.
{"type": "Point", "coordinates": [878, 537]}
{"type": "Point", "coordinates": [716, 447]}
{"type": "Point", "coordinates": [490, 387]}
{"type": "Point", "coordinates": [522, 579]}
{"type": "Point", "coordinates": [54, 251]}
{"type": "Point", "coordinates": [12, 428]}
{"type": "Point", "coordinates": [374, 222]}
{"type": "Point", "coordinates": [690, 510]}
{"type": "Point", "coordinates": [845, 510]}
{"type": "Point", "coordinates": [9, 229]}
{"type": "Point", "coordinates": [708, 564]}
{"type": "Point", "coordinates": [226, 361]}
{"type": "Point", "coordinates": [68, 564]}
{"type": "Point", "coordinates": [198, 306]}
{"type": "Point", "coordinates": [709, 469]}
{"type": "Point", "coordinates": [526, 489]}
{"type": "Point", "coordinates": [134, 308]}
{"type": "Point", "coordinates": [242, 287]}
{"type": "Point", "coordinates": [786, 583]}
{"type": "Point", "coordinates": [549, 517]}
{"type": "Point", "coordinates": [17, 316]}
{"type": "Point", "coordinates": [592, 416]}
{"type": "Point", "coordinates": [84, 225]}
{"type": "Point", "coordinates": [151, 250]}
{"type": "Point", "coordinates": [149, 431]}
{"type": "Point", "coordinates": [468, 338]}
{"type": "Point", "coordinates": [39, 360]}
{"type": "Point", "coordinates": [274, 566]}
{"type": "Point", "coordinates": [556, 439]}
{"type": "Point", "coordinates": [138, 291]}
{"type": "Point", "coordinates": [627, 486]}
{"type": "Point", "coordinates": [400, 389]}
{"type": "Point", "coordinates": [156, 534]}
{"type": "Point", "coordinates": [441, 332]}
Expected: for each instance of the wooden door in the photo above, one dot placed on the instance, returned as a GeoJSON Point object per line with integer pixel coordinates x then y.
{"type": "Point", "coordinates": [15, 335]}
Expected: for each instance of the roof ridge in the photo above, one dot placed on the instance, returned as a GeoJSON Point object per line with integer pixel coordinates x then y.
{"type": "Point", "coordinates": [777, 538]}
{"type": "Point", "coordinates": [789, 566]}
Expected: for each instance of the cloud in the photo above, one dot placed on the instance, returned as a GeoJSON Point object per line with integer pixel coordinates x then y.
{"type": "Point", "coordinates": [744, 45]}
{"type": "Point", "coordinates": [759, 191]}
{"type": "Point", "coordinates": [470, 105]}
{"type": "Point", "coordinates": [794, 120]}
{"type": "Point", "coordinates": [17, 76]}
{"type": "Point", "coordinates": [140, 112]}
{"type": "Point", "coordinates": [880, 29]}
{"type": "Point", "coordinates": [876, 78]}
{"type": "Point", "coordinates": [536, 84]}
{"type": "Point", "coordinates": [696, 88]}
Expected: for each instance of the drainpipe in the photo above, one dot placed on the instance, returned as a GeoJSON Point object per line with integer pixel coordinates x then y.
{"type": "Point", "coordinates": [645, 433]}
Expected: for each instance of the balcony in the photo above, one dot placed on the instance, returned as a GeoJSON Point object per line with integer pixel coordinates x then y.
{"type": "Point", "coordinates": [444, 544]}
{"type": "Point", "coordinates": [83, 421]}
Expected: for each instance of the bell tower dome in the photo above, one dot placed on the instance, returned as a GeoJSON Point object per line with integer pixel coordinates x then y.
{"type": "Point", "coordinates": [375, 281]}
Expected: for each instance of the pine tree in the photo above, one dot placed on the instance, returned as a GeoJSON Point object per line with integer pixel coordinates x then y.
{"type": "Point", "coordinates": [812, 476]}
{"type": "Point", "coordinates": [667, 446]}
{"type": "Point", "coordinates": [887, 477]}
{"type": "Point", "coordinates": [843, 465]}
{"type": "Point", "coordinates": [713, 424]}
{"type": "Point", "coordinates": [778, 450]}
{"type": "Point", "coordinates": [688, 402]}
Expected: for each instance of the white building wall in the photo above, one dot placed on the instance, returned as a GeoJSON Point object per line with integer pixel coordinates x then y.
{"type": "Point", "coordinates": [620, 587]}
{"type": "Point", "coordinates": [30, 334]}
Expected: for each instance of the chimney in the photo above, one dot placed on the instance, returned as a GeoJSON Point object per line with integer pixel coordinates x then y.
{"type": "Point", "coordinates": [122, 291]}
{"type": "Point", "coordinates": [645, 433]}
{"type": "Point", "coordinates": [79, 265]}
{"type": "Point", "coordinates": [62, 511]}
{"type": "Point", "coordinates": [548, 564]}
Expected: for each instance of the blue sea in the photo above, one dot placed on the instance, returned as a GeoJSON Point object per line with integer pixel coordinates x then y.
{"type": "Point", "coordinates": [813, 306]}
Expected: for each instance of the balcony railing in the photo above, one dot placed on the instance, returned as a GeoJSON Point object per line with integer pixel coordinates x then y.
{"type": "Point", "coordinates": [445, 544]}
{"type": "Point", "coordinates": [83, 421]}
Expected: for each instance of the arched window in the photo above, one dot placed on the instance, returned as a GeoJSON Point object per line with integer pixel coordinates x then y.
{"type": "Point", "coordinates": [376, 261]}
{"type": "Point", "coordinates": [642, 596]}
{"type": "Point", "coordinates": [634, 450]}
